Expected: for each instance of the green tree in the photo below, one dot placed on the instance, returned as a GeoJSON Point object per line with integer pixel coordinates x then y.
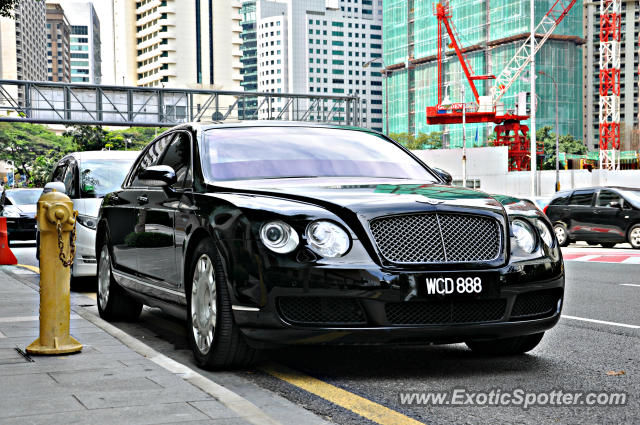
{"type": "Point", "coordinates": [422, 141]}
{"type": "Point", "coordinates": [87, 137]}
{"type": "Point", "coordinates": [135, 138]}
{"type": "Point", "coordinates": [7, 7]}
{"type": "Point", "coordinates": [432, 140]}
{"type": "Point", "coordinates": [22, 143]}
{"type": "Point", "coordinates": [567, 144]}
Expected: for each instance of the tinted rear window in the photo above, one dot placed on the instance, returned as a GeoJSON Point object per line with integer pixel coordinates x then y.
{"type": "Point", "coordinates": [581, 197]}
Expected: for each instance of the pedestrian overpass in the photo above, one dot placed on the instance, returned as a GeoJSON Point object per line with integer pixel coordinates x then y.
{"type": "Point", "coordinates": [44, 102]}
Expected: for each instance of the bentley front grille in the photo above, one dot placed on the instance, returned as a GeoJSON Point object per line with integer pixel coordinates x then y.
{"type": "Point", "coordinates": [437, 238]}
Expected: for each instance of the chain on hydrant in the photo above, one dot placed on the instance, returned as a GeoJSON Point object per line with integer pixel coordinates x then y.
{"type": "Point", "coordinates": [67, 262]}
{"type": "Point", "coordinates": [56, 223]}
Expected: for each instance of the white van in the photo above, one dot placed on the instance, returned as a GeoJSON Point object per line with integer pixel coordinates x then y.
{"type": "Point", "coordinates": [87, 177]}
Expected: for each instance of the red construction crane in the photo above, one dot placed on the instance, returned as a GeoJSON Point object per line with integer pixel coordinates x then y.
{"type": "Point", "coordinates": [509, 131]}
{"type": "Point", "coordinates": [610, 17]}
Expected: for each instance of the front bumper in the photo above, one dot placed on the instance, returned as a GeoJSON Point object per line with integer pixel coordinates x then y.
{"type": "Point", "coordinates": [84, 263]}
{"type": "Point", "coordinates": [392, 308]}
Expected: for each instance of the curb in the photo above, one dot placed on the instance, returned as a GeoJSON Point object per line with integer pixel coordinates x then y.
{"type": "Point", "coordinates": [243, 407]}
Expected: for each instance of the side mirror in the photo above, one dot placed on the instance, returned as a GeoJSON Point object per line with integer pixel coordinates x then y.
{"type": "Point", "coordinates": [444, 175]}
{"type": "Point", "coordinates": [157, 176]}
{"type": "Point", "coordinates": [54, 186]}
{"type": "Point", "coordinates": [615, 204]}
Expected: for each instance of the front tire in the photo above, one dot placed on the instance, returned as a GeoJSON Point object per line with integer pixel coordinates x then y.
{"type": "Point", "coordinates": [634, 236]}
{"type": "Point", "coordinates": [562, 234]}
{"type": "Point", "coordinates": [214, 337]}
{"type": "Point", "coordinates": [114, 304]}
{"type": "Point", "coordinates": [506, 346]}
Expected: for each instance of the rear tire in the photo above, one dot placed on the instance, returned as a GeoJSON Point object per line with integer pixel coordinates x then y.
{"type": "Point", "coordinates": [608, 244]}
{"type": "Point", "coordinates": [114, 304]}
{"type": "Point", "coordinates": [506, 346]}
{"type": "Point", "coordinates": [214, 337]}
{"type": "Point", "coordinates": [562, 234]}
{"type": "Point", "coordinates": [634, 236]}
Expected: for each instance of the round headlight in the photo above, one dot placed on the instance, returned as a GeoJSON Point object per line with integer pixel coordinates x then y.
{"type": "Point", "coordinates": [327, 239]}
{"type": "Point", "coordinates": [525, 238]}
{"type": "Point", "coordinates": [279, 237]}
{"type": "Point", "coordinates": [545, 233]}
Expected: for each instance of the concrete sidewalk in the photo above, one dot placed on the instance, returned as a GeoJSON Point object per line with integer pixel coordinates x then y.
{"type": "Point", "coordinates": [107, 383]}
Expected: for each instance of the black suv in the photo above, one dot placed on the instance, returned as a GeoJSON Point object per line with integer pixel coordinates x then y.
{"type": "Point", "coordinates": [600, 215]}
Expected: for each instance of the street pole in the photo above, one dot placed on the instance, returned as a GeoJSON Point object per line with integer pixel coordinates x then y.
{"type": "Point", "coordinates": [386, 100]}
{"type": "Point", "coordinates": [532, 137]}
{"type": "Point", "coordinates": [555, 84]}
{"type": "Point", "coordinates": [464, 140]}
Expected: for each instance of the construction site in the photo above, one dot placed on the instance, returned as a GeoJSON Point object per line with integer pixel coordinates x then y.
{"type": "Point", "coordinates": [449, 62]}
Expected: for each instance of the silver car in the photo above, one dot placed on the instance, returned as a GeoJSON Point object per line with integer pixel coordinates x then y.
{"type": "Point", "coordinates": [87, 177]}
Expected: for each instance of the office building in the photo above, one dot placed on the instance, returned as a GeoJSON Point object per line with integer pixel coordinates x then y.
{"type": "Point", "coordinates": [321, 47]}
{"type": "Point", "coordinates": [168, 43]}
{"type": "Point", "coordinates": [23, 43]}
{"type": "Point", "coordinates": [58, 47]}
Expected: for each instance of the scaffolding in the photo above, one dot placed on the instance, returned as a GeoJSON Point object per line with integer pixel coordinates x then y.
{"type": "Point", "coordinates": [491, 31]}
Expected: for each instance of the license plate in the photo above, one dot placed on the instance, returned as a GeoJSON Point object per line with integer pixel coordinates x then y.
{"type": "Point", "coordinates": [456, 285]}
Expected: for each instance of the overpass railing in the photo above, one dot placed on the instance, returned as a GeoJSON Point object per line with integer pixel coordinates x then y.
{"type": "Point", "coordinates": [74, 104]}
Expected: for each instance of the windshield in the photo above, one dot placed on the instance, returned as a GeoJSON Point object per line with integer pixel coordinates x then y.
{"type": "Point", "coordinates": [23, 197]}
{"type": "Point", "coordinates": [99, 177]}
{"type": "Point", "coordinates": [633, 196]}
{"type": "Point", "coordinates": [288, 152]}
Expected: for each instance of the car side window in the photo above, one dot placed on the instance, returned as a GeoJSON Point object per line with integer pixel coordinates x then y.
{"type": "Point", "coordinates": [581, 198]}
{"type": "Point", "coordinates": [69, 181]}
{"type": "Point", "coordinates": [178, 156]}
{"type": "Point", "coordinates": [58, 173]}
{"type": "Point", "coordinates": [606, 197]}
{"type": "Point", "coordinates": [150, 157]}
{"type": "Point", "coordinates": [560, 199]}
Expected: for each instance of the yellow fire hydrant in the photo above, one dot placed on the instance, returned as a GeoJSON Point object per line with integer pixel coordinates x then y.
{"type": "Point", "coordinates": [56, 220]}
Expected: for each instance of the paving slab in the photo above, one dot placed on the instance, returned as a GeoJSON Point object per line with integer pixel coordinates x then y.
{"type": "Point", "coordinates": [106, 383]}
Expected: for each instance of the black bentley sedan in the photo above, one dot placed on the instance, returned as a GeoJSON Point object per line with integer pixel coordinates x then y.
{"type": "Point", "coordinates": [264, 234]}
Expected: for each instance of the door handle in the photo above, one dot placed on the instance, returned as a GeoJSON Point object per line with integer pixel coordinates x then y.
{"type": "Point", "coordinates": [143, 199]}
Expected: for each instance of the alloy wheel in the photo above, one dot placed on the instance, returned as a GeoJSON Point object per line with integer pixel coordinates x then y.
{"type": "Point", "coordinates": [104, 277]}
{"type": "Point", "coordinates": [203, 304]}
{"type": "Point", "coordinates": [561, 234]}
{"type": "Point", "coordinates": [634, 237]}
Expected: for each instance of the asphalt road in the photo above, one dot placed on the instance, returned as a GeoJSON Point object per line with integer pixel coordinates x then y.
{"type": "Point", "coordinates": [578, 355]}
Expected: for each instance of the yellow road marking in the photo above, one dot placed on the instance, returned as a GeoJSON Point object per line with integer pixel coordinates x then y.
{"type": "Point", "coordinates": [366, 408]}
{"type": "Point", "coordinates": [28, 267]}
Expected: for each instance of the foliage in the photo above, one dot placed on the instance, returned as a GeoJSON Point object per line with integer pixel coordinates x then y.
{"type": "Point", "coordinates": [91, 138]}
{"type": "Point", "coordinates": [42, 167]}
{"type": "Point", "coordinates": [34, 149]}
{"type": "Point", "coordinates": [23, 143]}
{"type": "Point", "coordinates": [567, 144]}
{"type": "Point", "coordinates": [422, 141]}
{"type": "Point", "coordinates": [7, 6]}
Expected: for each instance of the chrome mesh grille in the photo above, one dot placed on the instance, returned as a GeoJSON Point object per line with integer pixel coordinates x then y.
{"type": "Point", "coordinates": [437, 238]}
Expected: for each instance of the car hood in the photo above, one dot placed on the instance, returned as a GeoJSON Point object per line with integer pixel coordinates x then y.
{"type": "Point", "coordinates": [28, 210]}
{"type": "Point", "coordinates": [88, 206]}
{"type": "Point", "coordinates": [368, 196]}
